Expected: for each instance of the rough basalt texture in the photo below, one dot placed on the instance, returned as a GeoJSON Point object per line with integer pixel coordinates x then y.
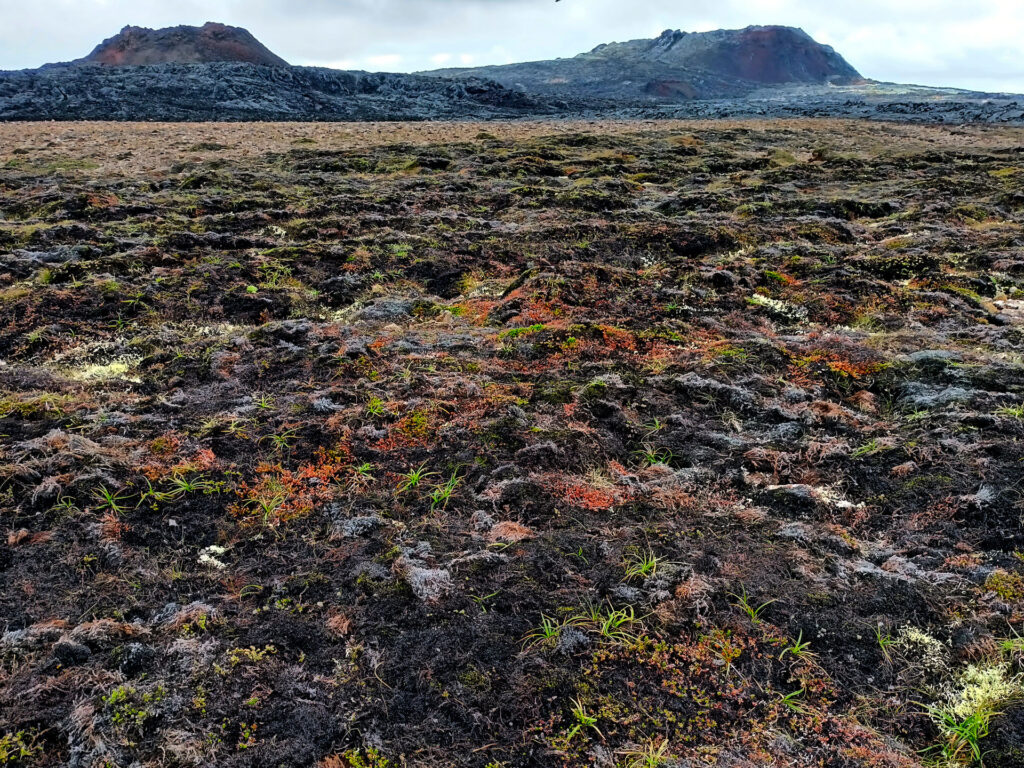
{"type": "Point", "coordinates": [873, 101]}
{"type": "Point", "coordinates": [679, 66]}
{"type": "Point", "coordinates": [239, 92]}
{"type": "Point", "coordinates": [138, 46]}
{"type": "Point", "coordinates": [235, 91]}
{"type": "Point", "coordinates": [511, 445]}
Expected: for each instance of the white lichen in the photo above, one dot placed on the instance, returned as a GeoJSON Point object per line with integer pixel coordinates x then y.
{"type": "Point", "coordinates": [928, 651]}
{"type": "Point", "coordinates": [115, 369]}
{"type": "Point", "coordinates": [982, 689]}
{"type": "Point", "coordinates": [779, 308]}
{"type": "Point", "coordinates": [208, 557]}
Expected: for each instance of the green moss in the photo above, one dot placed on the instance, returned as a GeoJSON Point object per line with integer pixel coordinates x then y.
{"type": "Point", "coordinates": [515, 333]}
{"type": "Point", "coordinates": [973, 212]}
{"type": "Point", "coordinates": [750, 210]}
{"type": "Point", "coordinates": [554, 392]}
{"type": "Point", "coordinates": [129, 710]}
{"type": "Point", "coordinates": [15, 748]}
{"type": "Point", "coordinates": [475, 679]}
{"type": "Point", "coordinates": [898, 243]}
{"type": "Point", "coordinates": [69, 164]}
{"type": "Point", "coordinates": [1009, 586]}
{"type": "Point", "coordinates": [416, 425]}
{"type": "Point", "coordinates": [902, 266]}
{"type": "Point", "coordinates": [366, 758]}
{"type": "Point", "coordinates": [732, 355]}
{"type": "Point", "coordinates": [1005, 173]}
{"type": "Point", "coordinates": [782, 158]}
{"type": "Point", "coordinates": [34, 406]}
{"type": "Point", "coordinates": [972, 298]}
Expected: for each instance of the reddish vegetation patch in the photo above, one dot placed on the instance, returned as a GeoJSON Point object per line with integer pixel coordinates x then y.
{"type": "Point", "coordinates": [510, 533]}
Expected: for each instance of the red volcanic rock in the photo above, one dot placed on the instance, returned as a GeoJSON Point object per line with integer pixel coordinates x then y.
{"type": "Point", "coordinates": [136, 46]}
{"type": "Point", "coordinates": [771, 55]}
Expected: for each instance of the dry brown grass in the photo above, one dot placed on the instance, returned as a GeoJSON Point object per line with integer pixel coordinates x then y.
{"type": "Point", "coordinates": [127, 148]}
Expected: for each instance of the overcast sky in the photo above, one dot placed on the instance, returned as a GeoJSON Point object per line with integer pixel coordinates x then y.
{"type": "Point", "coordinates": [965, 43]}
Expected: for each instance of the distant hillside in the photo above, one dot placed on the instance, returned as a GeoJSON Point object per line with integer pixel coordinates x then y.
{"type": "Point", "coordinates": [679, 66]}
{"type": "Point", "coordinates": [139, 46]}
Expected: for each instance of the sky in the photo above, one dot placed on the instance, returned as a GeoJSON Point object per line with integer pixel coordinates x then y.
{"type": "Point", "coordinates": [973, 44]}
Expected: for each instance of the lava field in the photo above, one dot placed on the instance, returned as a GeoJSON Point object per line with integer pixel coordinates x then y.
{"type": "Point", "coordinates": [495, 445]}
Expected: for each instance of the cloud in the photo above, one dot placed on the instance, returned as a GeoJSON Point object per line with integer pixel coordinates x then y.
{"type": "Point", "coordinates": [934, 42]}
{"type": "Point", "coordinates": [385, 60]}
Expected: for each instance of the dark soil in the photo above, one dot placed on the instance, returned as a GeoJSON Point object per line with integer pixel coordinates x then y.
{"type": "Point", "coordinates": [585, 445]}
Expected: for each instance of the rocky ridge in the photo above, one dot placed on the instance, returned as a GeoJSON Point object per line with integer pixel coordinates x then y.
{"type": "Point", "coordinates": [679, 66]}
{"type": "Point", "coordinates": [231, 91]}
